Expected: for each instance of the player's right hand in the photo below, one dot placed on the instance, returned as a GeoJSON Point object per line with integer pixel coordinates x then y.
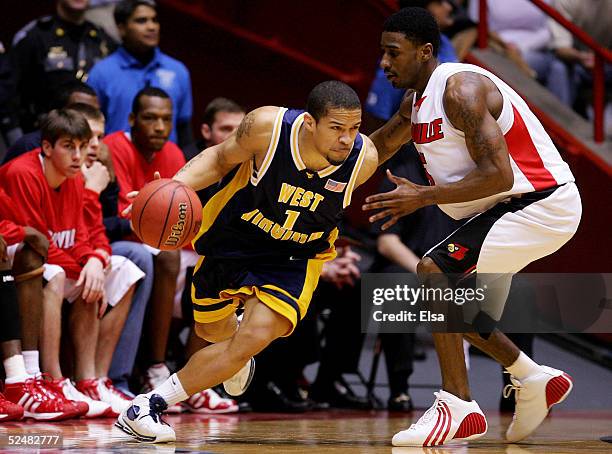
{"type": "Point", "coordinates": [132, 195]}
{"type": "Point", "coordinates": [37, 241]}
{"type": "Point", "coordinates": [92, 280]}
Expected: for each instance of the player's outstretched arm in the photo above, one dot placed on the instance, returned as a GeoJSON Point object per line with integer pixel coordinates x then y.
{"type": "Point", "coordinates": [394, 133]}
{"type": "Point", "coordinates": [250, 141]}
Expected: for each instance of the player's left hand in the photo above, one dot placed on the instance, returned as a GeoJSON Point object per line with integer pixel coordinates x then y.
{"type": "Point", "coordinates": [404, 199]}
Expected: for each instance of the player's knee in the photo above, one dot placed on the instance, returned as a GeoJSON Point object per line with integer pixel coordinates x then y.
{"type": "Point", "coordinates": [26, 260]}
{"type": "Point", "coordinates": [212, 332]}
{"type": "Point", "coordinates": [250, 340]}
{"type": "Point", "coordinates": [56, 284]}
{"type": "Point", "coordinates": [168, 262]}
{"type": "Point", "coordinates": [427, 266]}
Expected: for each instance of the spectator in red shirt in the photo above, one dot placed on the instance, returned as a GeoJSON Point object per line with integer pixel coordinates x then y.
{"type": "Point", "coordinates": [136, 157]}
{"type": "Point", "coordinates": [48, 185]}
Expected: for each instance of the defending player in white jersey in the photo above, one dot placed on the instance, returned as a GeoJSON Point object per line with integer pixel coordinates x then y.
{"type": "Point", "coordinates": [489, 161]}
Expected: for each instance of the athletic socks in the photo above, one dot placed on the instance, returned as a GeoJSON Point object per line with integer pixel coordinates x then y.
{"type": "Point", "coordinates": [31, 362]}
{"type": "Point", "coordinates": [523, 367]}
{"type": "Point", "coordinates": [171, 391]}
{"type": "Point", "coordinates": [15, 369]}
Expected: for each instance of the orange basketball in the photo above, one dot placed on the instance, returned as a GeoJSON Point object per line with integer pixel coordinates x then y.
{"type": "Point", "coordinates": [166, 214]}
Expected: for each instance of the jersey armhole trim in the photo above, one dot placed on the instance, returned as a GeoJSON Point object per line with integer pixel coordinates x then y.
{"type": "Point", "coordinates": [274, 139]}
{"type": "Point", "coordinates": [351, 184]}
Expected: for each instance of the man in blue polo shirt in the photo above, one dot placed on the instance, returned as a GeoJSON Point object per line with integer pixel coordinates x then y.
{"type": "Point", "coordinates": [139, 63]}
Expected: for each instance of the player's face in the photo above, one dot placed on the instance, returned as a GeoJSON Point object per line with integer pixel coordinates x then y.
{"type": "Point", "coordinates": [335, 133]}
{"type": "Point", "coordinates": [141, 32]}
{"type": "Point", "coordinates": [224, 125]}
{"type": "Point", "coordinates": [152, 125]}
{"type": "Point", "coordinates": [97, 130]}
{"type": "Point", "coordinates": [66, 155]}
{"type": "Point", "coordinates": [402, 60]}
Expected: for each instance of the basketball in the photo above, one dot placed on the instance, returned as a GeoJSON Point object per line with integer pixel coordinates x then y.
{"type": "Point", "coordinates": [166, 214]}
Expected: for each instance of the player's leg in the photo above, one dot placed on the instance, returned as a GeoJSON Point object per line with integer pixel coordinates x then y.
{"type": "Point", "coordinates": [206, 368]}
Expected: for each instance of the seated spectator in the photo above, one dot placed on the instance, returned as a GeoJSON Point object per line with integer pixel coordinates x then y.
{"type": "Point", "coordinates": [47, 184]}
{"type": "Point", "coordinates": [592, 16]}
{"type": "Point", "coordinates": [137, 156]}
{"type": "Point", "coordinates": [222, 117]}
{"type": "Point", "coordinates": [51, 51]}
{"type": "Point", "coordinates": [70, 93]}
{"type": "Point", "coordinates": [523, 29]}
{"type": "Point", "coordinates": [137, 64]}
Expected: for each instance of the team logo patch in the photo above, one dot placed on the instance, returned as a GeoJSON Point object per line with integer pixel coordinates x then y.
{"type": "Point", "coordinates": [334, 186]}
{"type": "Point", "coordinates": [457, 251]}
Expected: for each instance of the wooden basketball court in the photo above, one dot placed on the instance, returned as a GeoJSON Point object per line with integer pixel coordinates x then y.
{"type": "Point", "coordinates": [320, 432]}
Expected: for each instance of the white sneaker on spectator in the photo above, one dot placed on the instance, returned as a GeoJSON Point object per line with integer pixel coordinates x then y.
{"type": "Point", "coordinates": [156, 375]}
{"type": "Point", "coordinates": [97, 408]}
{"type": "Point", "coordinates": [208, 401]}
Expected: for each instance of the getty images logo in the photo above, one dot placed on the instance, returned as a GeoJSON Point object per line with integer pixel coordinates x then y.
{"type": "Point", "coordinates": [177, 229]}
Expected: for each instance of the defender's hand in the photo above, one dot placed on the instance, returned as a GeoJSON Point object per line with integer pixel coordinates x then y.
{"type": "Point", "coordinates": [404, 199]}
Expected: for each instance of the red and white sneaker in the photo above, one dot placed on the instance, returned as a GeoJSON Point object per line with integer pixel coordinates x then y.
{"type": "Point", "coordinates": [61, 386]}
{"type": "Point", "coordinates": [209, 401]}
{"type": "Point", "coordinates": [95, 408]}
{"type": "Point", "coordinates": [534, 397]}
{"type": "Point", "coordinates": [156, 375]}
{"type": "Point", "coordinates": [9, 411]}
{"type": "Point", "coordinates": [448, 419]}
{"type": "Point", "coordinates": [96, 389]}
{"type": "Point", "coordinates": [39, 400]}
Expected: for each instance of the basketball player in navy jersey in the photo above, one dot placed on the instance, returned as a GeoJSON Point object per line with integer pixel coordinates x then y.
{"type": "Point", "coordinates": [489, 161]}
{"type": "Point", "coordinates": [285, 178]}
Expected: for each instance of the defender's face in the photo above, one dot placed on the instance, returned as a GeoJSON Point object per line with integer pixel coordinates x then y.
{"type": "Point", "coordinates": [401, 60]}
{"type": "Point", "coordinates": [152, 125]}
{"type": "Point", "coordinates": [335, 133]}
{"type": "Point", "coordinates": [97, 130]}
{"type": "Point", "coordinates": [66, 155]}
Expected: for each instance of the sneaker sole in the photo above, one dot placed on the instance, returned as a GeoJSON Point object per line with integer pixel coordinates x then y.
{"type": "Point", "coordinates": [128, 430]}
{"type": "Point", "coordinates": [248, 382]}
{"type": "Point", "coordinates": [58, 416]}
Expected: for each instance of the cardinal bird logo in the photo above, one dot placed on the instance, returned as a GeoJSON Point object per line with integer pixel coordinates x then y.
{"type": "Point", "coordinates": [457, 251]}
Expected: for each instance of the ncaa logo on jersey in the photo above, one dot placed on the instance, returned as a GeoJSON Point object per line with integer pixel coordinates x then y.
{"type": "Point", "coordinates": [456, 251]}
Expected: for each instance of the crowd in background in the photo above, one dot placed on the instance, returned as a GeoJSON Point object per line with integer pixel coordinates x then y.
{"type": "Point", "coordinates": [90, 109]}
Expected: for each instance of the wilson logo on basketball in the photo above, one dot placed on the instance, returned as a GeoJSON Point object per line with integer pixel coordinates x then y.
{"type": "Point", "coordinates": [457, 251]}
{"type": "Point", "coordinates": [177, 229]}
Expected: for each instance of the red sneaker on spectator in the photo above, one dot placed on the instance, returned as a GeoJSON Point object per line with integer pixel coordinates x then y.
{"type": "Point", "coordinates": [39, 401]}
{"type": "Point", "coordinates": [96, 389]}
{"type": "Point", "coordinates": [93, 408]}
{"type": "Point", "coordinates": [208, 401]}
{"type": "Point", "coordinates": [9, 411]}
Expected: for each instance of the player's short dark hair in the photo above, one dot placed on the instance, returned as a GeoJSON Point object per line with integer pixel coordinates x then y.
{"type": "Point", "coordinates": [124, 9]}
{"type": "Point", "coordinates": [331, 94]}
{"type": "Point", "coordinates": [153, 92]}
{"type": "Point", "coordinates": [217, 105]}
{"type": "Point", "coordinates": [64, 122]}
{"type": "Point", "coordinates": [65, 90]}
{"type": "Point", "coordinates": [417, 24]}
{"type": "Point", "coordinates": [89, 112]}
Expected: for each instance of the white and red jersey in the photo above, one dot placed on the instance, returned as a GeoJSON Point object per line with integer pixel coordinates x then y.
{"type": "Point", "coordinates": [536, 163]}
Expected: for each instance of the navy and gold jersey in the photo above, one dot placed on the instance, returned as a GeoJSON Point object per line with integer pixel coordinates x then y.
{"type": "Point", "coordinates": [281, 210]}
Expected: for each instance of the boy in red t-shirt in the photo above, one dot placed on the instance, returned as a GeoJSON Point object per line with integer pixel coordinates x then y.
{"type": "Point", "coordinates": [48, 185]}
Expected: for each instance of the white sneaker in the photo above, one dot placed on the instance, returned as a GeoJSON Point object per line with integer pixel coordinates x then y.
{"type": "Point", "coordinates": [238, 384]}
{"type": "Point", "coordinates": [96, 408]}
{"type": "Point", "coordinates": [111, 395]}
{"type": "Point", "coordinates": [156, 376]}
{"type": "Point", "coordinates": [449, 418]}
{"type": "Point", "coordinates": [534, 397]}
{"type": "Point", "coordinates": [142, 420]}
{"type": "Point", "coordinates": [208, 401]}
